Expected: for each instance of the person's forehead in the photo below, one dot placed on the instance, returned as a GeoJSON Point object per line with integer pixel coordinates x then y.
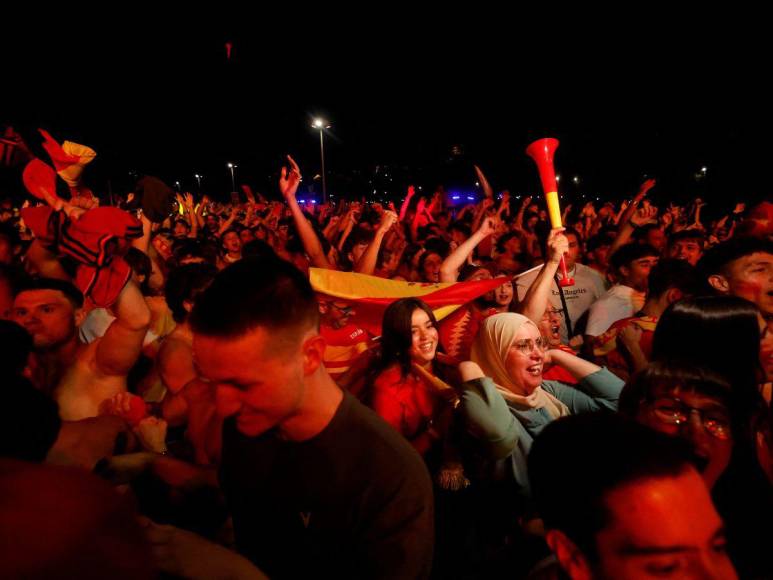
{"type": "Point", "coordinates": [527, 330]}
{"type": "Point", "coordinates": [674, 510]}
{"type": "Point", "coordinates": [691, 396]}
{"type": "Point", "coordinates": [242, 359]}
{"type": "Point", "coordinates": [42, 296]}
{"type": "Point", "coordinates": [419, 317]}
{"type": "Point", "coordinates": [757, 258]}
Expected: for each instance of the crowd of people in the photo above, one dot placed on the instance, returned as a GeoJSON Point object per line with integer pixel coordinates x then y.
{"type": "Point", "coordinates": [180, 398]}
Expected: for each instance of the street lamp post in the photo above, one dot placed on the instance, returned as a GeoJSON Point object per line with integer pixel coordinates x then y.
{"type": "Point", "coordinates": [321, 125]}
{"type": "Point", "coordinates": [232, 166]}
{"type": "Point", "coordinates": [198, 180]}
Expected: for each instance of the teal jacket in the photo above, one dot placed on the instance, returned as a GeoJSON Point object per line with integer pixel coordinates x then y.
{"type": "Point", "coordinates": [502, 433]}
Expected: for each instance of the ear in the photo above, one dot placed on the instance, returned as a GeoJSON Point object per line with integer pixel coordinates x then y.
{"type": "Point", "coordinates": [719, 283]}
{"type": "Point", "coordinates": [188, 306]}
{"type": "Point", "coordinates": [625, 271]}
{"type": "Point", "coordinates": [673, 295]}
{"type": "Point", "coordinates": [80, 315]}
{"type": "Point", "coordinates": [313, 354]}
{"type": "Point", "coordinates": [572, 560]}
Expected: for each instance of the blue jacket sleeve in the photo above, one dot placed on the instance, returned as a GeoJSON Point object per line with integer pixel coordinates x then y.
{"type": "Point", "coordinates": [487, 418]}
{"type": "Point", "coordinates": [597, 392]}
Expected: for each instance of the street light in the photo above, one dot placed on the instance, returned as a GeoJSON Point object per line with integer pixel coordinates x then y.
{"type": "Point", "coordinates": [232, 166]}
{"type": "Point", "coordinates": [321, 125]}
{"type": "Point", "coordinates": [198, 180]}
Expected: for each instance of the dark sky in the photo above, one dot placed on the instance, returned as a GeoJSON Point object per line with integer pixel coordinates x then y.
{"type": "Point", "coordinates": [166, 101]}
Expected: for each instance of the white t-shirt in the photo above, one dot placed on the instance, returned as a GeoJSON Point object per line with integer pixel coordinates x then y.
{"type": "Point", "coordinates": [588, 287]}
{"type": "Point", "coordinates": [618, 303]}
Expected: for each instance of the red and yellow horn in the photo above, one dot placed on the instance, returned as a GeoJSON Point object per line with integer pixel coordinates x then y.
{"type": "Point", "coordinates": [542, 151]}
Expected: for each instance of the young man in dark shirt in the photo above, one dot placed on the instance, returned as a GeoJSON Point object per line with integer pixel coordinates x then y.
{"type": "Point", "coordinates": [316, 482]}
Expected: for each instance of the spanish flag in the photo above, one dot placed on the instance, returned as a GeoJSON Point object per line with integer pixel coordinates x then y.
{"type": "Point", "coordinates": [370, 295]}
{"type": "Point", "coordinates": [69, 158]}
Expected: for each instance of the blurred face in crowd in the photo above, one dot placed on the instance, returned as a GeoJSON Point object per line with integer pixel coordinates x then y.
{"type": "Point", "coordinates": [656, 238]}
{"type": "Point", "coordinates": [749, 277]}
{"type": "Point", "coordinates": [701, 419]}
{"type": "Point", "coordinates": [431, 267]}
{"type": "Point", "coordinates": [336, 313]}
{"type": "Point", "coordinates": [488, 298]}
{"type": "Point", "coordinates": [525, 359]}
{"type": "Point", "coordinates": [571, 257]}
{"type": "Point", "coordinates": [180, 229]}
{"type": "Point", "coordinates": [550, 326]}
{"type": "Point", "coordinates": [246, 236]}
{"type": "Point", "coordinates": [232, 243]}
{"type": "Point", "coordinates": [6, 251]}
{"type": "Point", "coordinates": [212, 222]}
{"type": "Point", "coordinates": [503, 295]}
{"type": "Point", "coordinates": [601, 255]}
{"type": "Point", "coordinates": [163, 246]}
{"type": "Point", "coordinates": [424, 338]}
{"type": "Point", "coordinates": [689, 250]}
{"type": "Point", "coordinates": [660, 527]}
{"type": "Point", "coordinates": [636, 274]}
{"type": "Point", "coordinates": [48, 316]}
{"type": "Point", "coordinates": [357, 251]}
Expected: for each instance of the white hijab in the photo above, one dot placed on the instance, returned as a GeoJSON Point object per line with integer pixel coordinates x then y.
{"type": "Point", "coordinates": [489, 351]}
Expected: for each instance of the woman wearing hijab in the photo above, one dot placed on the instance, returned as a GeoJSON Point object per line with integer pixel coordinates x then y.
{"type": "Point", "coordinates": [506, 402]}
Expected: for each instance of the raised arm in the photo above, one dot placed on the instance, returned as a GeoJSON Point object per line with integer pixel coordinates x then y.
{"type": "Point", "coordinates": [121, 345]}
{"type": "Point", "coordinates": [288, 185]}
{"type": "Point", "coordinates": [536, 299]}
{"type": "Point", "coordinates": [449, 269]}
{"type": "Point", "coordinates": [367, 262]}
{"type": "Point", "coordinates": [407, 202]}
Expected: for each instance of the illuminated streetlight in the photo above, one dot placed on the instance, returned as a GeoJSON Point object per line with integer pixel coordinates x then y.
{"type": "Point", "coordinates": [321, 125]}
{"type": "Point", "coordinates": [198, 180]}
{"type": "Point", "coordinates": [233, 166]}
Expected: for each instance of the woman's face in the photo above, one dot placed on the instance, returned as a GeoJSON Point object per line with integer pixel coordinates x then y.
{"type": "Point", "coordinates": [712, 452]}
{"type": "Point", "coordinates": [424, 338]}
{"type": "Point", "coordinates": [525, 359]}
{"type": "Point", "coordinates": [432, 267]}
{"type": "Point", "coordinates": [503, 295]}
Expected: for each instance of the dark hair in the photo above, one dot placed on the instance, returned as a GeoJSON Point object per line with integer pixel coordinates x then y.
{"type": "Point", "coordinates": [506, 238]}
{"type": "Point", "coordinates": [720, 333]}
{"type": "Point", "coordinates": [598, 241]}
{"type": "Point", "coordinates": [29, 421]}
{"type": "Point", "coordinates": [666, 376]}
{"type": "Point", "coordinates": [672, 273]}
{"type": "Point", "coordinates": [468, 270]}
{"type": "Point", "coordinates": [682, 235]}
{"type": "Point", "coordinates": [598, 453]}
{"type": "Point", "coordinates": [255, 292]}
{"type": "Point", "coordinates": [717, 259]}
{"type": "Point", "coordinates": [72, 294]}
{"type": "Point", "coordinates": [423, 259]}
{"type": "Point", "coordinates": [257, 248]}
{"type": "Point", "coordinates": [628, 253]}
{"type": "Point", "coordinates": [10, 233]}
{"type": "Point", "coordinates": [460, 227]}
{"type": "Point", "coordinates": [140, 263]}
{"type": "Point", "coordinates": [15, 346]}
{"type": "Point", "coordinates": [185, 283]}
{"type": "Point", "coordinates": [191, 248]}
{"type": "Point", "coordinates": [396, 333]}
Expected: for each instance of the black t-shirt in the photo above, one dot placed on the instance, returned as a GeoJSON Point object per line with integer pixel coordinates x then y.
{"type": "Point", "coordinates": [353, 502]}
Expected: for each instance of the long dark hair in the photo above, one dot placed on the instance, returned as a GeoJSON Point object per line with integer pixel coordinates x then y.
{"type": "Point", "coordinates": [396, 335]}
{"type": "Point", "coordinates": [720, 333]}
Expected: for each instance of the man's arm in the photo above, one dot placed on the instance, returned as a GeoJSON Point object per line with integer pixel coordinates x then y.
{"type": "Point", "coordinates": [121, 345]}
{"type": "Point", "coordinates": [367, 262]}
{"type": "Point", "coordinates": [536, 299]}
{"type": "Point", "coordinates": [288, 185]}
{"type": "Point", "coordinates": [449, 269]}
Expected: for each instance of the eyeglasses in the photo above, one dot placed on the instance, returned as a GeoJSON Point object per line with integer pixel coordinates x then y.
{"type": "Point", "coordinates": [555, 311]}
{"type": "Point", "coordinates": [343, 310]}
{"type": "Point", "coordinates": [675, 412]}
{"type": "Point", "coordinates": [527, 345]}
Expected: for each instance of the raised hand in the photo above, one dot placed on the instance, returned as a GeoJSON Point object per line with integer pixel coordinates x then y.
{"type": "Point", "coordinates": [388, 219]}
{"type": "Point", "coordinates": [644, 215]}
{"type": "Point", "coordinates": [290, 180]}
{"type": "Point", "coordinates": [557, 244]}
{"type": "Point", "coordinates": [488, 227]}
{"type": "Point", "coordinates": [643, 189]}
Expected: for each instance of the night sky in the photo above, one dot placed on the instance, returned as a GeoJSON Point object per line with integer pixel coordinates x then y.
{"type": "Point", "coordinates": [166, 101]}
